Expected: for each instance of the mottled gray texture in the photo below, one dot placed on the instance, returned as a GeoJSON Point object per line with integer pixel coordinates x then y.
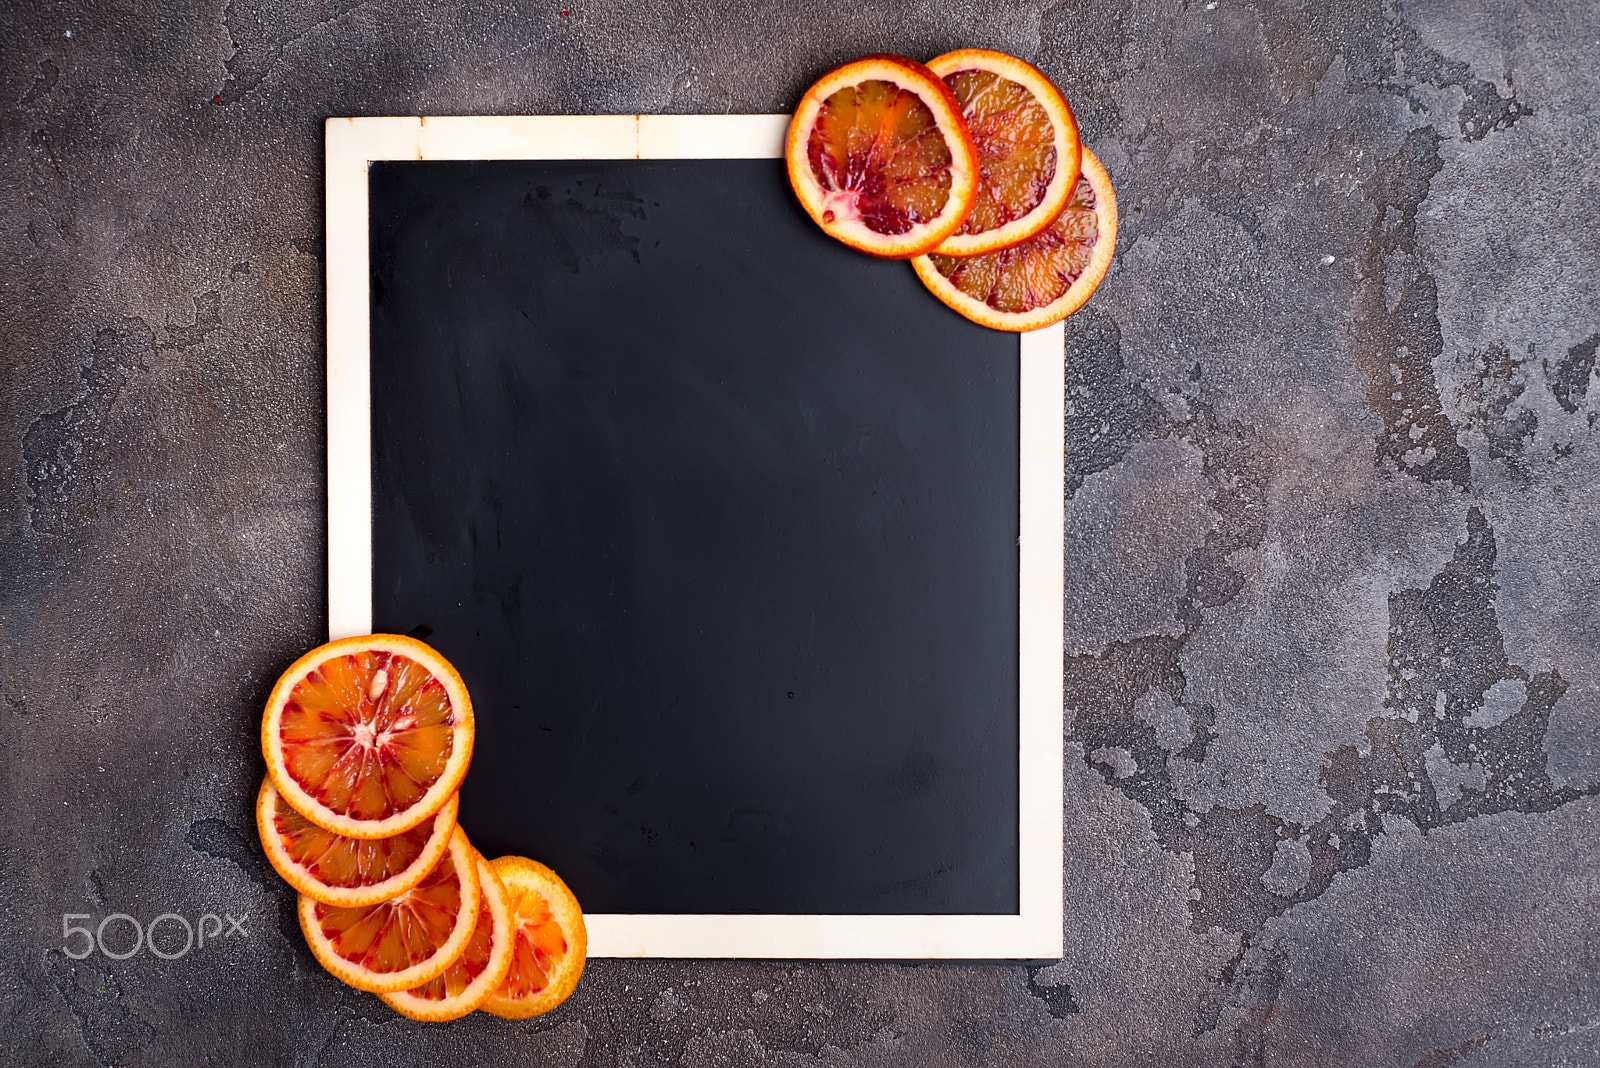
{"type": "Point", "coordinates": [1334, 492]}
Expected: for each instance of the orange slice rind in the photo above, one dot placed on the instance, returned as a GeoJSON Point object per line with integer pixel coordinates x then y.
{"type": "Point", "coordinates": [1027, 144]}
{"type": "Point", "coordinates": [334, 870]}
{"type": "Point", "coordinates": [551, 942]}
{"type": "Point", "coordinates": [879, 156]}
{"type": "Point", "coordinates": [1044, 279]}
{"type": "Point", "coordinates": [407, 940]}
{"type": "Point", "coordinates": [368, 736]}
{"type": "Point", "coordinates": [478, 972]}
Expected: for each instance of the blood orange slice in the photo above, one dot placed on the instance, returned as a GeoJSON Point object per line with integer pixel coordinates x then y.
{"type": "Point", "coordinates": [367, 737]}
{"type": "Point", "coordinates": [1027, 143]}
{"type": "Point", "coordinates": [1042, 280]}
{"type": "Point", "coordinates": [481, 968]}
{"type": "Point", "coordinates": [551, 940]}
{"type": "Point", "coordinates": [405, 941]}
{"type": "Point", "coordinates": [334, 870]}
{"type": "Point", "coordinates": [879, 156]}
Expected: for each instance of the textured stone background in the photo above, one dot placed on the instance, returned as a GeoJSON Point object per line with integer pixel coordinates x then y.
{"type": "Point", "coordinates": [1334, 490]}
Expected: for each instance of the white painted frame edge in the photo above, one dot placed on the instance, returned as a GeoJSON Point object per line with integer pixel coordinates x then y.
{"type": "Point", "coordinates": [1034, 933]}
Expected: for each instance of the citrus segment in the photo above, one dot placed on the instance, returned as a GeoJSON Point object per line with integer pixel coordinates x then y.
{"type": "Point", "coordinates": [1027, 144]}
{"type": "Point", "coordinates": [550, 941]}
{"type": "Point", "coordinates": [368, 736]}
{"type": "Point", "coordinates": [879, 156]}
{"type": "Point", "coordinates": [481, 968]}
{"type": "Point", "coordinates": [404, 941]}
{"type": "Point", "coordinates": [334, 870]}
{"type": "Point", "coordinates": [1042, 280]}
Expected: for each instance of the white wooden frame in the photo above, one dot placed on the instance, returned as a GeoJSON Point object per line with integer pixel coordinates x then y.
{"type": "Point", "coordinates": [1034, 933]}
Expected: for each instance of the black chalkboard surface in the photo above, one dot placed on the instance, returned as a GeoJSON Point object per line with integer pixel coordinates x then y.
{"type": "Point", "coordinates": [718, 519]}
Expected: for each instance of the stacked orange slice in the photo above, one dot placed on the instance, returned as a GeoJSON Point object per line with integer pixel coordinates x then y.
{"type": "Point", "coordinates": [971, 167]}
{"type": "Point", "coordinates": [367, 740]}
{"type": "Point", "coordinates": [1045, 278]}
{"type": "Point", "coordinates": [1026, 138]}
{"type": "Point", "coordinates": [879, 156]}
{"type": "Point", "coordinates": [548, 936]}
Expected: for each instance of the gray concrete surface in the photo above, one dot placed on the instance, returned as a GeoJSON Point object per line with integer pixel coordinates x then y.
{"type": "Point", "coordinates": [1333, 680]}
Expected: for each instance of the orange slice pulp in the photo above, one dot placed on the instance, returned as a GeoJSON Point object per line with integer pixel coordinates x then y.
{"type": "Point", "coordinates": [407, 940]}
{"type": "Point", "coordinates": [368, 736]}
{"type": "Point", "coordinates": [1042, 280]}
{"type": "Point", "coordinates": [880, 158]}
{"type": "Point", "coordinates": [334, 870]}
{"type": "Point", "coordinates": [551, 942]}
{"type": "Point", "coordinates": [1027, 143]}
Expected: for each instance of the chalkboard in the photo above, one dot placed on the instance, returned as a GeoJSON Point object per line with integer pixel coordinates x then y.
{"type": "Point", "coordinates": [720, 522]}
